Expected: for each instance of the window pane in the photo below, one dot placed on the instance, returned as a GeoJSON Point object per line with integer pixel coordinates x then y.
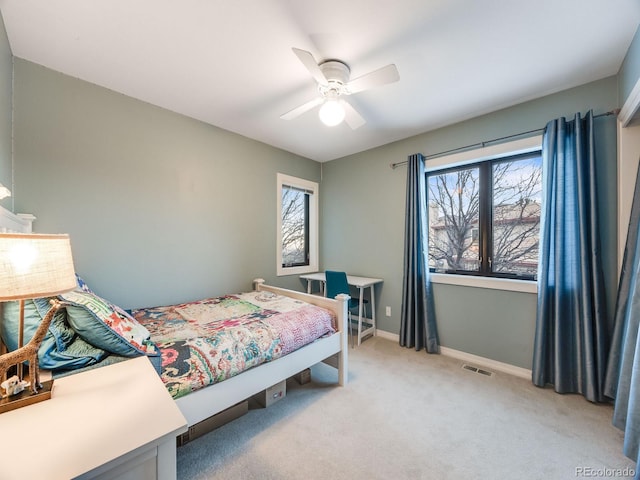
{"type": "Point", "coordinates": [453, 220]}
{"type": "Point", "coordinates": [295, 208]}
{"type": "Point", "coordinates": [517, 196]}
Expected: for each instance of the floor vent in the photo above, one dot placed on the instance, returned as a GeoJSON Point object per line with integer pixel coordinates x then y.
{"type": "Point", "coordinates": [481, 371]}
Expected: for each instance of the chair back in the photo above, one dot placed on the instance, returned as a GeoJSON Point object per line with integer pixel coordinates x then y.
{"type": "Point", "coordinates": [336, 283]}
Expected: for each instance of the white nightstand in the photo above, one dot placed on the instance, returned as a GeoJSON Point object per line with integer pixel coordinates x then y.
{"type": "Point", "coordinates": [115, 422]}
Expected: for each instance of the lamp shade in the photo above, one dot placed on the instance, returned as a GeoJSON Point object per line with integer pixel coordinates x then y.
{"type": "Point", "coordinates": [34, 266]}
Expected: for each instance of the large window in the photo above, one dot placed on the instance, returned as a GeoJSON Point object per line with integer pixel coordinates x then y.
{"type": "Point", "coordinates": [484, 217]}
{"type": "Point", "coordinates": [297, 226]}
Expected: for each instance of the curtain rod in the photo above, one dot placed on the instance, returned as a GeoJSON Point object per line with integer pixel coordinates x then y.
{"type": "Point", "coordinates": [488, 142]}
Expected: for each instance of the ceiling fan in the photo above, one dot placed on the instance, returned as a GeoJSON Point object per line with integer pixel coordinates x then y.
{"type": "Point", "coordinates": [332, 77]}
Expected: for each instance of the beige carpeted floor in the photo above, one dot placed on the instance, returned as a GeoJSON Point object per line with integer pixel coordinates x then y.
{"type": "Point", "coordinates": [411, 415]}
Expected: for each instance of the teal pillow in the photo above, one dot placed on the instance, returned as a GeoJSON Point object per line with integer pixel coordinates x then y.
{"type": "Point", "coordinates": [107, 326]}
{"type": "Point", "coordinates": [61, 348]}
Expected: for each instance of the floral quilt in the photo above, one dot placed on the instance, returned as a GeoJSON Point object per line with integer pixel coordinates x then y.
{"type": "Point", "coordinates": [210, 340]}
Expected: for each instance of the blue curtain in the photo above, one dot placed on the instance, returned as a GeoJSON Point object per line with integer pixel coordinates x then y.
{"type": "Point", "coordinates": [623, 371]}
{"type": "Point", "coordinates": [418, 319]}
{"type": "Point", "coordinates": [572, 340]}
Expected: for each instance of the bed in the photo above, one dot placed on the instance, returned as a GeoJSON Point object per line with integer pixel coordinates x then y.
{"type": "Point", "coordinates": [278, 347]}
{"type": "Point", "coordinates": [203, 403]}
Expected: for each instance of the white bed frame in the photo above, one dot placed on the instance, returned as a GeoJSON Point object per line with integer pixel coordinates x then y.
{"type": "Point", "coordinates": [15, 223]}
{"type": "Point", "coordinates": [201, 404]}
{"type": "Point", "coordinates": [204, 403]}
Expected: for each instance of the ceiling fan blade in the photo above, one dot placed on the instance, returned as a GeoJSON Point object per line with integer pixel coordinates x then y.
{"type": "Point", "coordinates": [382, 76]}
{"type": "Point", "coordinates": [308, 61]}
{"type": "Point", "coordinates": [296, 112]}
{"type": "Point", "coordinates": [351, 116]}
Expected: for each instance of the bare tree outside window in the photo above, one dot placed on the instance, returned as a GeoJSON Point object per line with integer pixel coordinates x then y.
{"type": "Point", "coordinates": [512, 200]}
{"type": "Point", "coordinates": [517, 196]}
{"type": "Point", "coordinates": [454, 206]}
{"type": "Point", "coordinates": [294, 227]}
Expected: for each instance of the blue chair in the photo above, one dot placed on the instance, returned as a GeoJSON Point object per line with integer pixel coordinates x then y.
{"type": "Point", "coordinates": [335, 284]}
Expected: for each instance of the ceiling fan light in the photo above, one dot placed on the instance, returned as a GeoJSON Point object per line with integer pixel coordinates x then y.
{"type": "Point", "coordinates": [331, 113]}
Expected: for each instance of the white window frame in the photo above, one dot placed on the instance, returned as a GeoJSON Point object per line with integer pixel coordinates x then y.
{"type": "Point", "coordinates": [314, 201]}
{"type": "Point", "coordinates": [467, 157]}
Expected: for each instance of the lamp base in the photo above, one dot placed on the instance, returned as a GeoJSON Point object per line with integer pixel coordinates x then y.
{"type": "Point", "coordinates": [26, 397]}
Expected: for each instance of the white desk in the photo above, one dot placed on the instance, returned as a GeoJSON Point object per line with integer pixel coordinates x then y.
{"type": "Point", "coordinates": [113, 422]}
{"type": "Point", "coordinates": [360, 283]}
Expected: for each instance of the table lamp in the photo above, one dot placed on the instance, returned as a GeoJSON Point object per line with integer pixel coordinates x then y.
{"type": "Point", "coordinates": [32, 266]}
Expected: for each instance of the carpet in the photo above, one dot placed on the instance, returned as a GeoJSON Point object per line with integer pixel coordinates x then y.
{"type": "Point", "coordinates": [412, 415]}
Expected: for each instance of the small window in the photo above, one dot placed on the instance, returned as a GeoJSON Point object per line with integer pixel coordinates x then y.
{"type": "Point", "coordinates": [484, 217]}
{"type": "Point", "coordinates": [297, 228]}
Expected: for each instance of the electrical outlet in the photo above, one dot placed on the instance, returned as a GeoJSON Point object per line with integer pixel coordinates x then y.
{"type": "Point", "coordinates": [388, 311]}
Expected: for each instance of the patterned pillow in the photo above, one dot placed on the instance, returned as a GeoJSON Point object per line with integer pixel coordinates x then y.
{"type": "Point", "coordinates": [107, 326]}
{"type": "Point", "coordinates": [61, 348]}
{"type": "Point", "coordinates": [82, 285]}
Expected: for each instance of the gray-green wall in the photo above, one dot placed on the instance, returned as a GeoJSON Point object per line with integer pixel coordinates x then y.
{"type": "Point", "coordinates": [160, 208]}
{"type": "Point", "coordinates": [362, 207]}
{"type": "Point", "coordinates": [630, 70]}
{"type": "Point", "coordinates": [6, 107]}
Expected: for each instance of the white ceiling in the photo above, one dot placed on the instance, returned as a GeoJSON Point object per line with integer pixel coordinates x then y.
{"type": "Point", "coordinates": [229, 62]}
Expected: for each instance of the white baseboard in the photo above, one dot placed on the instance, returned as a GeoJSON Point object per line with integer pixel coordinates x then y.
{"type": "Point", "coordinates": [471, 358]}
{"type": "Point", "coordinates": [389, 336]}
{"type": "Point", "coordinates": [487, 362]}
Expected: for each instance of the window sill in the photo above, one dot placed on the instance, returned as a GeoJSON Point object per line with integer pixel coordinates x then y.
{"type": "Point", "coordinates": [284, 271]}
{"type": "Point", "coordinates": [525, 286]}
